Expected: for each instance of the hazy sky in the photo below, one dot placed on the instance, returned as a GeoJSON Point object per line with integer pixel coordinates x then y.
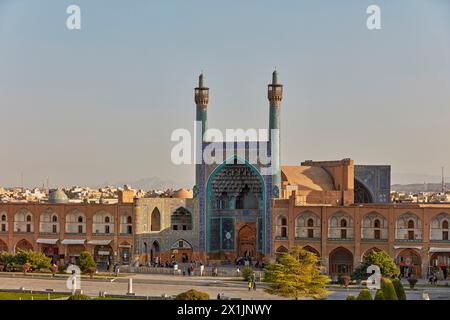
{"type": "Point", "coordinates": [99, 104]}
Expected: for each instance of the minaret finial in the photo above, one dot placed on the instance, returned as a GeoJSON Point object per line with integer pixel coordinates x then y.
{"type": "Point", "coordinates": [201, 80]}
{"type": "Point", "coordinates": [275, 76]}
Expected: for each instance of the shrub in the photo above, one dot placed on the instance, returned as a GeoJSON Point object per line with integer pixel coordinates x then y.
{"type": "Point", "coordinates": [345, 280]}
{"type": "Point", "coordinates": [79, 296]}
{"type": "Point", "coordinates": [350, 297]}
{"type": "Point", "coordinates": [412, 282]}
{"type": "Point", "coordinates": [26, 267]}
{"type": "Point", "coordinates": [388, 289]}
{"type": "Point", "coordinates": [387, 265]}
{"type": "Point", "coordinates": [192, 295]}
{"type": "Point", "coordinates": [86, 261]}
{"type": "Point", "coordinates": [364, 295]}
{"type": "Point", "coordinates": [399, 290]}
{"type": "Point", "coordinates": [379, 295]}
{"type": "Point", "coordinates": [247, 273]}
{"type": "Point", "coordinates": [37, 260]}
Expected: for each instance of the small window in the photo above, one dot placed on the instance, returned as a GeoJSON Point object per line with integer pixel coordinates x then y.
{"type": "Point", "coordinates": [343, 234]}
{"type": "Point", "coordinates": [106, 229]}
{"type": "Point", "coordinates": [55, 219]}
{"type": "Point", "coordinates": [54, 229]}
{"type": "Point", "coordinates": [376, 223]}
{"type": "Point", "coordinates": [410, 235]}
{"type": "Point", "coordinates": [129, 220]}
{"type": "Point", "coordinates": [80, 219]}
{"type": "Point", "coordinates": [3, 227]}
{"type": "Point", "coordinates": [184, 227]}
{"type": "Point", "coordinates": [129, 229]}
{"type": "Point", "coordinates": [343, 223]}
{"type": "Point", "coordinates": [310, 233]}
{"type": "Point", "coordinates": [4, 217]}
{"type": "Point", "coordinates": [28, 227]}
{"type": "Point", "coordinates": [180, 244]}
{"type": "Point", "coordinates": [445, 224]}
{"type": "Point", "coordinates": [175, 227]}
{"type": "Point", "coordinates": [444, 235]}
{"type": "Point", "coordinates": [310, 223]}
{"type": "Point", "coordinates": [80, 229]}
{"type": "Point", "coordinates": [283, 221]}
{"type": "Point", "coordinates": [411, 224]}
{"type": "Point", "coordinates": [28, 218]}
{"type": "Point", "coordinates": [107, 220]}
{"type": "Point", "coordinates": [284, 232]}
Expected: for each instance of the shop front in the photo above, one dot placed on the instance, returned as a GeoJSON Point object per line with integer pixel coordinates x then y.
{"type": "Point", "coordinates": [125, 253]}
{"type": "Point", "coordinates": [103, 254]}
{"type": "Point", "coordinates": [50, 248]}
{"type": "Point", "coordinates": [440, 262]}
{"type": "Point", "coordinates": [73, 249]}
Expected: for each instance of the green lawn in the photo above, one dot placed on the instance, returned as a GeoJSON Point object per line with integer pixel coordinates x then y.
{"type": "Point", "coordinates": [28, 296]}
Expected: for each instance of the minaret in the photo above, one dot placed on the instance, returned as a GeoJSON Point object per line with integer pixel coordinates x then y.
{"type": "Point", "coordinates": [275, 95]}
{"type": "Point", "coordinates": [201, 101]}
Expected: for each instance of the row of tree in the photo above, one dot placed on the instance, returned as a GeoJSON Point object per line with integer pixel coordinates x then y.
{"type": "Point", "coordinates": [29, 260]}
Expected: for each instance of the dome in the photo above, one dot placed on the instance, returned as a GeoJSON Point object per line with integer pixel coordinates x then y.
{"type": "Point", "coordinates": [183, 194]}
{"type": "Point", "coordinates": [58, 196]}
{"type": "Point", "coordinates": [307, 178]}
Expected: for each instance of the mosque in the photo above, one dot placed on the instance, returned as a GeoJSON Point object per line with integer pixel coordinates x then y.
{"type": "Point", "coordinates": [244, 209]}
{"type": "Point", "coordinates": [336, 209]}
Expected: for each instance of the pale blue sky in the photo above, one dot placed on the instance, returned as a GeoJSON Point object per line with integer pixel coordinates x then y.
{"type": "Point", "coordinates": [98, 105]}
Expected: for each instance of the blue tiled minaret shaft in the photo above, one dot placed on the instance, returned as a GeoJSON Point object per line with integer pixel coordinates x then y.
{"type": "Point", "coordinates": [201, 100]}
{"type": "Point", "coordinates": [275, 95]}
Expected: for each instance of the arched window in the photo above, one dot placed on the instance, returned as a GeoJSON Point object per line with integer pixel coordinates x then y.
{"type": "Point", "coordinates": [129, 220]}
{"type": "Point", "coordinates": [282, 227]}
{"type": "Point", "coordinates": [445, 224]}
{"type": "Point", "coordinates": [28, 218]}
{"type": "Point", "coordinates": [439, 227]}
{"type": "Point", "coordinates": [3, 217]}
{"type": "Point", "coordinates": [106, 219]}
{"type": "Point", "coordinates": [155, 220]}
{"type": "Point", "coordinates": [75, 222]}
{"type": "Point", "coordinates": [307, 225]}
{"type": "Point", "coordinates": [409, 227]}
{"type": "Point", "coordinates": [340, 226]}
{"type": "Point", "coordinates": [376, 223]}
{"type": "Point", "coordinates": [54, 219]}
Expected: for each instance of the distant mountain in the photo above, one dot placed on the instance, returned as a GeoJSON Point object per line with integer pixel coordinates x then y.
{"type": "Point", "coordinates": [418, 187]}
{"type": "Point", "coordinates": [414, 178]}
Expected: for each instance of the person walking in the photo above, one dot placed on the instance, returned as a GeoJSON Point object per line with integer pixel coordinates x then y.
{"type": "Point", "coordinates": [250, 285]}
{"type": "Point", "coordinates": [202, 269]}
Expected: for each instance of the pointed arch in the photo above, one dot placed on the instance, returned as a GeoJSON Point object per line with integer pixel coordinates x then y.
{"type": "Point", "coordinates": [155, 224]}
{"type": "Point", "coordinates": [23, 245]}
{"type": "Point", "coordinates": [261, 221]}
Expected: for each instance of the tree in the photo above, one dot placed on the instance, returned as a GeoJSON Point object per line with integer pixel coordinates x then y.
{"type": "Point", "coordinates": [388, 289]}
{"type": "Point", "coordinates": [387, 265]}
{"type": "Point", "coordinates": [86, 261]}
{"type": "Point", "coordinates": [399, 290]}
{"type": "Point", "coordinates": [192, 295]}
{"type": "Point", "coordinates": [296, 275]}
{"type": "Point", "coordinates": [350, 297]}
{"type": "Point", "coordinates": [37, 260]}
{"type": "Point", "coordinates": [247, 273]}
{"type": "Point", "coordinates": [364, 294]}
{"type": "Point", "coordinates": [379, 295]}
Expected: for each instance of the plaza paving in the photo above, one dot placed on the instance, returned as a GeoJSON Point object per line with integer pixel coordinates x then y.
{"type": "Point", "coordinates": [155, 285]}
